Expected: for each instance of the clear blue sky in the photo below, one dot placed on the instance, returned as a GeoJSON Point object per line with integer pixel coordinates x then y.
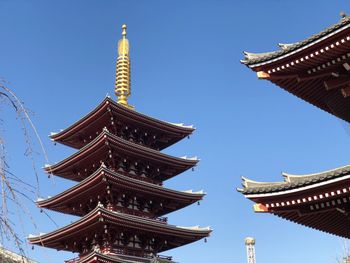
{"type": "Point", "coordinates": [60, 59]}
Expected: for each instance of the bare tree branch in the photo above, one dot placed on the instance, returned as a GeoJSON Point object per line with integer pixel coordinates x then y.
{"type": "Point", "coordinates": [15, 192]}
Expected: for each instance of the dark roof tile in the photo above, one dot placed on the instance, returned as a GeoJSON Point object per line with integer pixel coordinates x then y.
{"type": "Point", "coordinates": [254, 58]}
{"type": "Point", "coordinates": [291, 181]}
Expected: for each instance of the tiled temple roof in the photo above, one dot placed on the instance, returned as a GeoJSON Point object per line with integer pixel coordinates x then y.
{"type": "Point", "coordinates": [7, 256]}
{"type": "Point", "coordinates": [251, 59]}
{"type": "Point", "coordinates": [292, 181]}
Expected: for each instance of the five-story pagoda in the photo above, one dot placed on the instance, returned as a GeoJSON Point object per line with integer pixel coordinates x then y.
{"type": "Point", "coordinates": [120, 171]}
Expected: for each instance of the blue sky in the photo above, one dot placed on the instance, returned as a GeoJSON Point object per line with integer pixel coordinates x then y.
{"type": "Point", "coordinates": [60, 59]}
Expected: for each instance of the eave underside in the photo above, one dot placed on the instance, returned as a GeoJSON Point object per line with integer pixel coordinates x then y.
{"type": "Point", "coordinates": [328, 214]}
{"type": "Point", "coordinates": [334, 221]}
{"type": "Point", "coordinates": [334, 101]}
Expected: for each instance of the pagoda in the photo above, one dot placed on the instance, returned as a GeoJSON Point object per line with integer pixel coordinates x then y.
{"type": "Point", "coordinates": [120, 173]}
{"type": "Point", "coordinates": [316, 70]}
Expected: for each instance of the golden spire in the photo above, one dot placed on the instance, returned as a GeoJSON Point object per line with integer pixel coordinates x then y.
{"type": "Point", "coordinates": [122, 82]}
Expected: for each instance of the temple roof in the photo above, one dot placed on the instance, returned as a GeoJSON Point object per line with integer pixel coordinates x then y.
{"type": "Point", "coordinates": [7, 256]}
{"type": "Point", "coordinates": [257, 59]}
{"type": "Point", "coordinates": [315, 70]}
{"type": "Point", "coordinates": [94, 222]}
{"type": "Point", "coordinates": [100, 117]}
{"type": "Point", "coordinates": [100, 148]}
{"type": "Point", "coordinates": [293, 181]}
{"type": "Point", "coordinates": [95, 257]}
{"type": "Point", "coordinates": [320, 201]}
{"type": "Point", "coordinates": [96, 184]}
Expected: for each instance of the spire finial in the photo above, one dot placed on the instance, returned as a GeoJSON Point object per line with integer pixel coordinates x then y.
{"type": "Point", "coordinates": [122, 83]}
{"type": "Point", "coordinates": [124, 30]}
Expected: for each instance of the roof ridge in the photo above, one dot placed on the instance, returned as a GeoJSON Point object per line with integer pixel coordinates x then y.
{"type": "Point", "coordinates": [252, 59]}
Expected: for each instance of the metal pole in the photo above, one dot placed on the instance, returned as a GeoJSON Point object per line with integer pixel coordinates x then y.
{"type": "Point", "coordinates": [249, 243]}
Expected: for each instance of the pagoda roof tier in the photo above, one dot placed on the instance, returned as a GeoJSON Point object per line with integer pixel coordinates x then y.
{"type": "Point", "coordinates": [115, 116]}
{"type": "Point", "coordinates": [320, 201]}
{"type": "Point", "coordinates": [97, 257]}
{"type": "Point", "coordinates": [116, 153]}
{"type": "Point", "coordinates": [104, 185]}
{"type": "Point", "coordinates": [315, 69]}
{"type": "Point", "coordinates": [100, 221]}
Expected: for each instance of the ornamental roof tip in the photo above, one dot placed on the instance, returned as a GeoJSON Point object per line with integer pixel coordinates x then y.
{"type": "Point", "coordinates": [182, 125]}
{"type": "Point", "coordinates": [194, 158]}
{"type": "Point", "coordinates": [284, 46]}
{"type": "Point", "coordinates": [248, 56]}
{"type": "Point", "coordinates": [286, 177]}
{"type": "Point", "coordinates": [46, 166]}
{"type": "Point", "coordinates": [241, 190]}
{"type": "Point", "coordinates": [196, 228]}
{"type": "Point", "coordinates": [201, 192]}
{"type": "Point", "coordinates": [248, 183]}
{"type": "Point", "coordinates": [53, 133]}
{"type": "Point", "coordinates": [35, 236]}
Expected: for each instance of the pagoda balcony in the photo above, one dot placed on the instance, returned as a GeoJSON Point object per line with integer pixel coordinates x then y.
{"type": "Point", "coordinates": [128, 124]}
